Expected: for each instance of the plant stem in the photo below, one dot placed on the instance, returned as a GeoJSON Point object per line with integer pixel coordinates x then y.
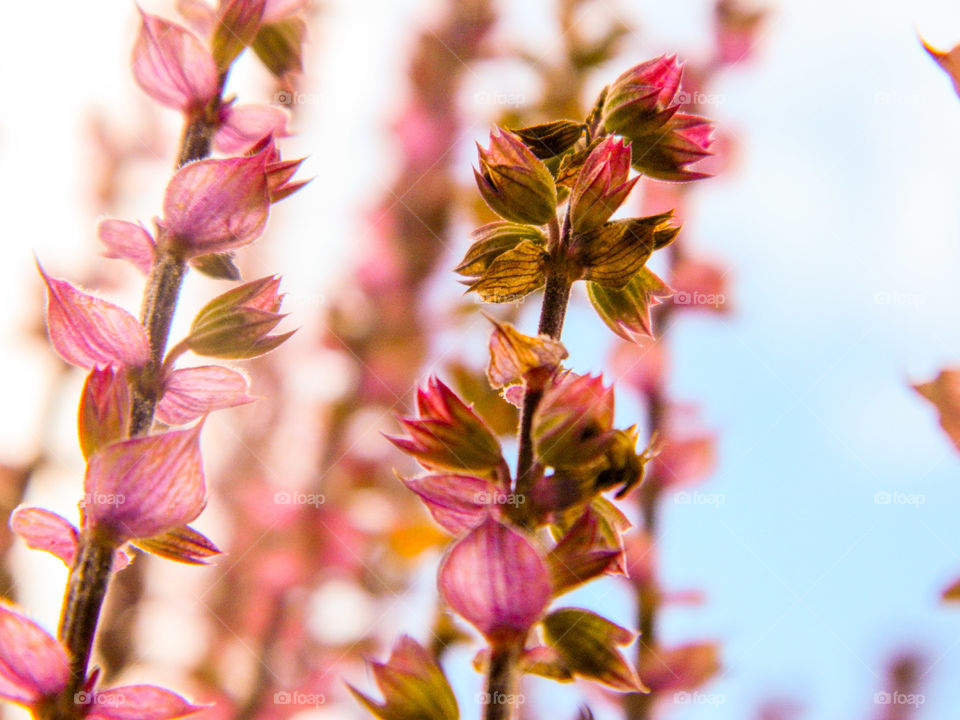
{"type": "Point", "coordinates": [502, 683]}
{"type": "Point", "coordinates": [86, 589]}
{"type": "Point", "coordinates": [90, 574]}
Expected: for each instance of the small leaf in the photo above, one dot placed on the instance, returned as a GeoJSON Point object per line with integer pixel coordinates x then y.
{"type": "Point", "coordinates": [627, 311]}
{"type": "Point", "coordinates": [189, 393]}
{"type": "Point", "coordinates": [182, 544]}
{"type": "Point", "coordinates": [613, 254]}
{"type": "Point", "coordinates": [513, 275]}
{"type": "Point", "coordinates": [219, 266]}
{"type": "Point", "coordinates": [44, 530]}
{"type": "Point", "coordinates": [278, 45]}
{"type": "Point", "coordinates": [127, 241]}
{"type": "Point", "coordinates": [494, 239]}
{"type": "Point", "coordinates": [513, 355]}
{"type": "Point", "coordinates": [456, 502]}
{"type": "Point", "coordinates": [104, 414]}
{"type": "Point", "coordinates": [552, 138]}
{"type": "Point", "coordinates": [582, 554]}
{"type": "Point", "coordinates": [587, 643]}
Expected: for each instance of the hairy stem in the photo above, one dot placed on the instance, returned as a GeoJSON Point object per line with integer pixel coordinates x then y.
{"type": "Point", "coordinates": [86, 589]}
{"type": "Point", "coordinates": [90, 574]}
{"type": "Point", "coordinates": [501, 700]}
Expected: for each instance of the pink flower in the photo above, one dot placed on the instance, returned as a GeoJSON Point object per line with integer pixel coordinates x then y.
{"type": "Point", "coordinates": [145, 486]}
{"type": "Point", "coordinates": [215, 205]}
{"type": "Point", "coordinates": [127, 241]}
{"type": "Point", "coordinates": [104, 414]}
{"type": "Point", "coordinates": [33, 666]}
{"type": "Point", "coordinates": [172, 66]}
{"type": "Point", "coordinates": [496, 579]}
{"type": "Point", "coordinates": [601, 185]}
{"type": "Point", "coordinates": [87, 331]}
{"type": "Point", "coordinates": [448, 434]}
{"type": "Point", "coordinates": [189, 393]}
{"type": "Point", "coordinates": [642, 99]}
{"type": "Point", "coordinates": [667, 155]}
{"type": "Point", "coordinates": [243, 126]}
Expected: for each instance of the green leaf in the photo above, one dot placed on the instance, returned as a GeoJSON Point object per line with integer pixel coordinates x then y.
{"type": "Point", "coordinates": [587, 643]}
{"type": "Point", "coordinates": [512, 275]}
{"type": "Point", "coordinates": [550, 139]}
{"type": "Point", "coordinates": [494, 239]}
{"type": "Point", "coordinates": [627, 311]}
{"type": "Point", "coordinates": [219, 266]}
{"type": "Point", "coordinates": [278, 45]}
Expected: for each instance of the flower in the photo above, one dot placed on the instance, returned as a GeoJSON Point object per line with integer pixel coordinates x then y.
{"type": "Point", "coordinates": [601, 185]}
{"type": "Point", "coordinates": [514, 182]}
{"type": "Point", "coordinates": [642, 99]}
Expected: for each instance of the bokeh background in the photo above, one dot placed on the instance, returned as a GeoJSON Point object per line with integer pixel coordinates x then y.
{"type": "Point", "coordinates": [826, 532]}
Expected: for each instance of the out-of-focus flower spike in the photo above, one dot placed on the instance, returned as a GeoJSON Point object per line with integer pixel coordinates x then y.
{"type": "Point", "coordinates": [139, 702]}
{"type": "Point", "coordinates": [182, 544]}
{"type": "Point", "coordinates": [127, 241]}
{"type": "Point", "coordinates": [495, 578]}
{"type": "Point", "coordinates": [172, 66]}
{"type": "Point", "coordinates": [216, 205]}
{"type": "Point", "coordinates": [87, 331]}
{"type": "Point", "coordinates": [33, 665]}
{"type": "Point", "coordinates": [413, 686]}
{"type": "Point", "coordinates": [190, 393]}
{"type": "Point", "coordinates": [44, 530]}
{"type": "Point", "coordinates": [145, 486]}
{"type": "Point", "coordinates": [104, 414]}
{"type": "Point", "coordinates": [238, 22]}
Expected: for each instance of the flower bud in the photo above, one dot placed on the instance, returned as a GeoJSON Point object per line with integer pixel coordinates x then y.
{"type": "Point", "coordinates": [104, 409]}
{"type": "Point", "coordinates": [601, 185]}
{"type": "Point", "coordinates": [448, 434]}
{"type": "Point", "coordinates": [666, 155]}
{"type": "Point", "coordinates": [514, 182]}
{"type": "Point", "coordinates": [573, 424]}
{"type": "Point", "coordinates": [237, 324]}
{"type": "Point", "coordinates": [642, 99]}
{"type": "Point", "coordinates": [413, 686]}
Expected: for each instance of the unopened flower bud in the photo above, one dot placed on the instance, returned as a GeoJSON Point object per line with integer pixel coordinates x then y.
{"type": "Point", "coordinates": [514, 182]}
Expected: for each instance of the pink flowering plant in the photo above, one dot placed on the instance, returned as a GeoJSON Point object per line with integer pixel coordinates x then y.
{"type": "Point", "coordinates": [528, 532]}
{"type": "Point", "coordinates": [140, 416]}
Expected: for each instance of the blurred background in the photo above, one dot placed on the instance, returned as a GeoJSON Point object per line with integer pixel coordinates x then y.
{"type": "Point", "coordinates": [802, 552]}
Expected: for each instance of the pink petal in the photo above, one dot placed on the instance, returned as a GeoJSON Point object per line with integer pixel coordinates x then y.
{"type": "Point", "coordinates": [172, 66]}
{"type": "Point", "coordinates": [192, 392]}
{"type": "Point", "coordinates": [45, 530]}
{"type": "Point", "coordinates": [496, 579]}
{"type": "Point", "coordinates": [127, 241]}
{"type": "Point", "coordinates": [145, 486]}
{"type": "Point", "coordinates": [139, 702]}
{"type": "Point", "coordinates": [88, 331]}
{"type": "Point", "coordinates": [104, 414]}
{"type": "Point", "coordinates": [457, 502]}
{"type": "Point", "coordinates": [33, 665]}
{"type": "Point", "coordinates": [246, 125]}
{"type": "Point", "coordinates": [279, 9]}
{"type": "Point", "coordinates": [215, 205]}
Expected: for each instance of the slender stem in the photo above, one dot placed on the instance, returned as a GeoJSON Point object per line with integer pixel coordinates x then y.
{"type": "Point", "coordinates": [502, 701]}
{"type": "Point", "coordinates": [86, 589]}
{"type": "Point", "coordinates": [90, 574]}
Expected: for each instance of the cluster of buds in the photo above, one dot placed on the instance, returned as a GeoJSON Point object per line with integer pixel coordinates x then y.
{"type": "Point", "coordinates": [526, 536]}
{"type": "Point", "coordinates": [143, 486]}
